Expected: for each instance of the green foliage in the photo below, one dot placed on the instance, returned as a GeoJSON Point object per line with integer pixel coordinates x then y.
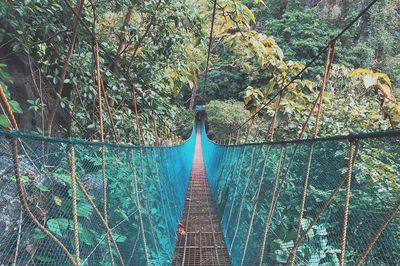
{"type": "Point", "coordinates": [164, 51]}
{"type": "Point", "coordinates": [225, 83]}
{"type": "Point", "coordinates": [223, 117]}
{"type": "Point", "coordinates": [253, 99]}
{"type": "Point", "coordinates": [184, 120]}
{"type": "Point", "coordinates": [163, 43]}
{"type": "Point", "coordinates": [267, 71]}
{"type": "Point", "coordinates": [302, 29]}
{"type": "Point", "coordinates": [5, 79]}
{"type": "Point", "coordinates": [257, 50]}
{"type": "Point", "coordinates": [300, 34]}
{"type": "Point", "coordinates": [35, 105]}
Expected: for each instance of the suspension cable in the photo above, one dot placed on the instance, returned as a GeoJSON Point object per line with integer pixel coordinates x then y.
{"type": "Point", "coordinates": [310, 63]}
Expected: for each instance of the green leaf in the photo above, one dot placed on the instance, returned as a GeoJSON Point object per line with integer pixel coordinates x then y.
{"type": "Point", "coordinates": [320, 230]}
{"type": "Point", "coordinates": [15, 107]}
{"type": "Point", "coordinates": [85, 235]}
{"type": "Point", "coordinates": [24, 179]}
{"type": "Point", "coordinates": [58, 226]}
{"type": "Point", "coordinates": [122, 213]}
{"type": "Point", "coordinates": [38, 234]}
{"type": "Point", "coordinates": [314, 260]}
{"type": "Point", "coordinates": [84, 210]}
{"type": "Point", "coordinates": [281, 256]}
{"type": "Point", "coordinates": [65, 178]}
{"type": "Point", "coordinates": [4, 122]}
{"type": "Point", "coordinates": [42, 188]}
{"type": "Point", "coordinates": [4, 76]}
{"type": "Point", "coordinates": [119, 238]}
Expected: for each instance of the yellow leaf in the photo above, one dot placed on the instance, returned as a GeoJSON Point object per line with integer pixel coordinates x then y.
{"type": "Point", "coordinates": [57, 200]}
{"type": "Point", "coordinates": [385, 89]}
{"type": "Point", "coordinates": [268, 42]}
{"type": "Point", "coordinates": [249, 14]}
{"type": "Point", "coordinates": [385, 78]}
{"type": "Point", "coordinates": [191, 84]}
{"type": "Point", "coordinates": [360, 71]}
{"type": "Point", "coordinates": [260, 2]}
{"type": "Point", "coordinates": [398, 108]}
{"type": "Point", "coordinates": [261, 61]}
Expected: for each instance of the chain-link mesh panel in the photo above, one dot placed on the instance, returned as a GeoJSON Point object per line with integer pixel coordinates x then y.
{"type": "Point", "coordinates": [286, 202]}
{"type": "Point", "coordinates": [128, 201]}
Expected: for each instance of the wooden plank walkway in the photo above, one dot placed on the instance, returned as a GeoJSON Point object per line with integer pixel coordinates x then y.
{"type": "Point", "coordinates": [202, 243]}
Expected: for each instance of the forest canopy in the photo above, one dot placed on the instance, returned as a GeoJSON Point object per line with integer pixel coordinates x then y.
{"type": "Point", "coordinates": [134, 72]}
{"type": "Point", "coordinates": [152, 58]}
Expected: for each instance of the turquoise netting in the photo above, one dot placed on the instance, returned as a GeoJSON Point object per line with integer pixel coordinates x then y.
{"type": "Point", "coordinates": [153, 180]}
{"type": "Point", "coordinates": [245, 178]}
{"type": "Point", "coordinates": [257, 189]}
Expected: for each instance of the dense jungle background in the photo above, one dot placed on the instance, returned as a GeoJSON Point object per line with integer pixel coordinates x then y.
{"type": "Point", "coordinates": [153, 54]}
{"type": "Point", "coordinates": [152, 61]}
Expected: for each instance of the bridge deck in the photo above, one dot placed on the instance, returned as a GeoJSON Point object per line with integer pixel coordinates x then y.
{"type": "Point", "coordinates": [202, 243]}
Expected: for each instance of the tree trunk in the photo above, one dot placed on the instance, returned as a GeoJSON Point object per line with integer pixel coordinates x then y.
{"type": "Point", "coordinates": [282, 8]}
{"type": "Point", "coordinates": [137, 118]}
{"type": "Point", "coordinates": [249, 130]}
{"type": "Point", "coordinates": [195, 89]}
{"type": "Point", "coordinates": [193, 97]}
{"type": "Point", "coordinates": [157, 140]}
{"type": "Point", "coordinates": [362, 24]}
{"type": "Point", "coordinates": [238, 136]}
{"type": "Point", "coordinates": [54, 107]}
{"type": "Point", "coordinates": [271, 130]}
{"type": "Point", "coordinates": [123, 42]}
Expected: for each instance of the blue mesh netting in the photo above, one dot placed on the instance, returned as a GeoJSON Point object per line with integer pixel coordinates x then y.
{"type": "Point", "coordinates": [152, 179]}
{"type": "Point", "coordinates": [245, 178]}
